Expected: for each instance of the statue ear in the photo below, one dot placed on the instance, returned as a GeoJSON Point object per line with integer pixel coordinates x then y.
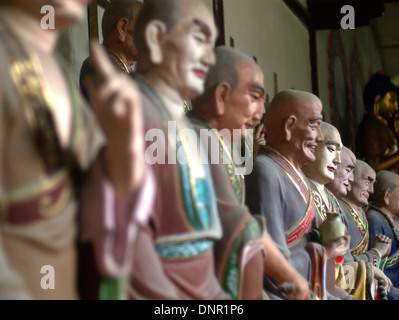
{"type": "Point", "coordinates": [221, 93]}
{"type": "Point", "coordinates": [288, 126]}
{"type": "Point", "coordinates": [377, 101]}
{"type": "Point", "coordinates": [154, 33]}
{"type": "Point", "coordinates": [387, 196]}
{"type": "Point", "coordinates": [122, 28]}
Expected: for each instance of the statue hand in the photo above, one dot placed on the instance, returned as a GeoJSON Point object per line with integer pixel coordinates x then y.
{"type": "Point", "coordinates": [116, 102]}
{"type": "Point", "coordinates": [383, 244]}
{"type": "Point", "coordinates": [380, 275]}
{"type": "Point", "coordinates": [298, 289]}
{"type": "Point", "coordinates": [338, 247]}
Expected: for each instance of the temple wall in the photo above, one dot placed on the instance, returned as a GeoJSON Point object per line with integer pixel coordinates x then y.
{"type": "Point", "coordinates": [270, 32]}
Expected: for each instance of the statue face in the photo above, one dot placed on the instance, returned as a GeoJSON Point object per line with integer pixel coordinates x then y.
{"type": "Point", "coordinates": [388, 105]}
{"type": "Point", "coordinates": [363, 185]}
{"type": "Point", "coordinates": [306, 133]}
{"type": "Point", "coordinates": [393, 204]}
{"type": "Point", "coordinates": [67, 12]}
{"type": "Point", "coordinates": [328, 156]}
{"type": "Point", "coordinates": [245, 105]}
{"type": "Point", "coordinates": [188, 50]}
{"type": "Point", "coordinates": [343, 175]}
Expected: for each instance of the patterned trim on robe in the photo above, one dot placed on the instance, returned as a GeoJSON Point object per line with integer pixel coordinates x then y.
{"type": "Point", "coordinates": [117, 61]}
{"type": "Point", "coordinates": [321, 206]}
{"type": "Point", "coordinates": [236, 180]}
{"type": "Point", "coordinates": [198, 198]}
{"type": "Point", "coordinates": [363, 229]}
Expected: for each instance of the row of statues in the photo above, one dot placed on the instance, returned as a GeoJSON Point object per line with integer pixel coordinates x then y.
{"type": "Point", "coordinates": [90, 190]}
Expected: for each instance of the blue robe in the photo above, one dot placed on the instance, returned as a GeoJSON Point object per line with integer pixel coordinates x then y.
{"type": "Point", "coordinates": [379, 224]}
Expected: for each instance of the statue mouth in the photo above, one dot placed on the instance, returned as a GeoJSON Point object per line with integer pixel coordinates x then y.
{"type": "Point", "coordinates": [332, 169]}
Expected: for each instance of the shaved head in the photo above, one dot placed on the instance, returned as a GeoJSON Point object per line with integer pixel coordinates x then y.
{"type": "Point", "coordinates": [327, 128]}
{"type": "Point", "coordinates": [363, 184]}
{"type": "Point", "coordinates": [283, 105]}
{"type": "Point", "coordinates": [292, 124]}
{"type": "Point", "coordinates": [225, 70]}
{"type": "Point", "coordinates": [234, 92]}
{"type": "Point", "coordinates": [385, 180]}
{"type": "Point", "coordinates": [115, 11]}
{"type": "Point", "coordinates": [344, 174]}
{"type": "Point", "coordinates": [328, 156]}
{"type": "Point", "coordinates": [166, 11]}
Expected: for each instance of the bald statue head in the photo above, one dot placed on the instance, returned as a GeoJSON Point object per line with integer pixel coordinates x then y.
{"type": "Point", "coordinates": [118, 26]}
{"type": "Point", "coordinates": [386, 192]}
{"type": "Point", "coordinates": [234, 92]}
{"type": "Point", "coordinates": [292, 124]}
{"type": "Point", "coordinates": [343, 178]}
{"type": "Point", "coordinates": [328, 156]}
{"type": "Point", "coordinates": [175, 41]}
{"type": "Point", "coordinates": [363, 184]}
{"type": "Point", "coordinates": [166, 11]}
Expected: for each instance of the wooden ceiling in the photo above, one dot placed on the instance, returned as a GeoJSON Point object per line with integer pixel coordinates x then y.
{"type": "Point", "coordinates": [381, 15]}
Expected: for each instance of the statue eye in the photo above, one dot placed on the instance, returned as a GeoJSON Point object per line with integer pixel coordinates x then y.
{"type": "Point", "coordinates": [200, 38]}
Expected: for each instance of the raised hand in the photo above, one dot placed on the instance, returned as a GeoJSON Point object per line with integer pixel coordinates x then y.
{"type": "Point", "coordinates": [116, 102]}
{"type": "Point", "coordinates": [383, 244]}
{"type": "Point", "coordinates": [337, 248]}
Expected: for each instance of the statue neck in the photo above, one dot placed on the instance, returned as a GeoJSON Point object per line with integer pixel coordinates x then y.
{"type": "Point", "coordinates": [120, 54]}
{"type": "Point", "coordinates": [354, 205]}
{"type": "Point", "coordinates": [323, 192]}
{"type": "Point", "coordinates": [385, 210]}
{"type": "Point", "coordinates": [28, 28]}
{"type": "Point", "coordinates": [319, 186]}
{"type": "Point", "coordinates": [286, 151]}
{"type": "Point", "coordinates": [169, 95]}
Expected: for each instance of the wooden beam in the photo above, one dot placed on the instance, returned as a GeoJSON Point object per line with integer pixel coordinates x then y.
{"type": "Point", "coordinates": [218, 13]}
{"type": "Point", "coordinates": [301, 13]}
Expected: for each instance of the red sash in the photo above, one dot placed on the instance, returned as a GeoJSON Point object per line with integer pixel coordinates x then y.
{"type": "Point", "coordinates": [45, 201]}
{"type": "Point", "coordinates": [295, 234]}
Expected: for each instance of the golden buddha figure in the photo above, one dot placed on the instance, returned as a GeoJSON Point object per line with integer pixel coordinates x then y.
{"type": "Point", "coordinates": [376, 143]}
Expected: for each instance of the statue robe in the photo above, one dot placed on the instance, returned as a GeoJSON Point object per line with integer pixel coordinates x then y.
{"type": "Point", "coordinates": [239, 257]}
{"type": "Point", "coordinates": [361, 284]}
{"type": "Point", "coordinates": [361, 246]}
{"type": "Point", "coordinates": [38, 185]}
{"type": "Point", "coordinates": [380, 223]}
{"type": "Point", "coordinates": [357, 225]}
{"type": "Point", "coordinates": [175, 253]}
{"type": "Point", "coordinates": [282, 197]}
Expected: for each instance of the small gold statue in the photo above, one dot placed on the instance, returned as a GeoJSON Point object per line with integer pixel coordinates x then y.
{"type": "Point", "coordinates": [376, 143]}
